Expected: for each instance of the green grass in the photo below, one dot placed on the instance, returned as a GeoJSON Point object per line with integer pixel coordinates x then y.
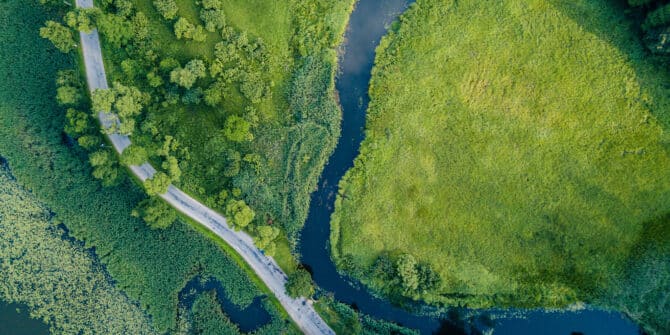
{"type": "Point", "coordinates": [518, 148]}
{"type": "Point", "coordinates": [150, 266]}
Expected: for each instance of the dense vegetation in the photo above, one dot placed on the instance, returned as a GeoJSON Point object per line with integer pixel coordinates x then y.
{"type": "Point", "coordinates": [231, 100]}
{"type": "Point", "coordinates": [150, 266]}
{"type": "Point", "coordinates": [516, 154]}
{"type": "Point", "coordinates": [55, 277]}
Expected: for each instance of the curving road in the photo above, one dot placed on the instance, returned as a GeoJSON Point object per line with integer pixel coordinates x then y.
{"type": "Point", "coordinates": [300, 310]}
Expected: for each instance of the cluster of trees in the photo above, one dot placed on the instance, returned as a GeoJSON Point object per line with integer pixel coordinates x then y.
{"type": "Point", "coordinates": [300, 284]}
{"type": "Point", "coordinates": [656, 23]}
{"type": "Point", "coordinates": [405, 275]}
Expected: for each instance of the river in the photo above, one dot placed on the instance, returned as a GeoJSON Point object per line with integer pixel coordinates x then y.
{"type": "Point", "coordinates": [368, 23]}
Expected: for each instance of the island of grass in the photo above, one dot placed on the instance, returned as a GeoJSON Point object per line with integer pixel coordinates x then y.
{"type": "Point", "coordinates": [517, 153]}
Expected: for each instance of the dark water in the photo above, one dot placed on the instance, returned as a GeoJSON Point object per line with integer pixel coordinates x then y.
{"type": "Point", "coordinates": [367, 25]}
{"type": "Point", "coordinates": [247, 319]}
{"type": "Point", "coordinates": [13, 322]}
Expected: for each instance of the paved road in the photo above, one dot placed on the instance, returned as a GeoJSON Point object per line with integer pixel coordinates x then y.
{"type": "Point", "coordinates": [300, 310]}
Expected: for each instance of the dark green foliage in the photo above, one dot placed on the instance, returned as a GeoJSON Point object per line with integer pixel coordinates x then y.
{"type": "Point", "coordinates": [105, 166]}
{"type": "Point", "coordinates": [150, 266]}
{"type": "Point", "coordinates": [155, 212]}
{"type": "Point", "coordinates": [209, 319]}
{"type": "Point", "coordinates": [57, 278]}
{"type": "Point", "coordinates": [300, 284]}
{"type": "Point", "coordinates": [658, 17]}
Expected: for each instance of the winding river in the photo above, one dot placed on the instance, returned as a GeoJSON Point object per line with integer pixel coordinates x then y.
{"type": "Point", "coordinates": [368, 23]}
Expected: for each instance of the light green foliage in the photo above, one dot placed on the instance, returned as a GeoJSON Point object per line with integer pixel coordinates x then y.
{"type": "Point", "coordinates": [265, 237]}
{"type": "Point", "coordinates": [156, 213]}
{"type": "Point", "coordinates": [116, 29]}
{"type": "Point", "coordinates": [126, 102]}
{"type": "Point", "coordinates": [158, 184]}
{"type": "Point", "coordinates": [134, 155]}
{"type": "Point", "coordinates": [237, 129]}
{"type": "Point", "coordinates": [67, 95]}
{"type": "Point", "coordinates": [57, 278]}
{"type": "Point", "coordinates": [81, 19]}
{"type": "Point", "coordinates": [516, 148]}
{"type": "Point", "coordinates": [187, 30]}
{"type": "Point", "coordinates": [299, 284]}
{"type": "Point", "coordinates": [186, 76]}
{"type": "Point", "coordinates": [167, 8]}
{"type": "Point", "coordinates": [345, 320]}
{"type": "Point", "coordinates": [239, 214]}
{"type": "Point", "coordinates": [409, 276]}
{"type": "Point", "coordinates": [59, 35]}
{"type": "Point", "coordinates": [78, 122]}
{"type": "Point", "coordinates": [215, 19]}
{"type": "Point", "coordinates": [102, 100]}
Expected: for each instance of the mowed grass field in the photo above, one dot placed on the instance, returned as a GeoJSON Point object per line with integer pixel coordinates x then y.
{"type": "Point", "coordinates": [519, 148]}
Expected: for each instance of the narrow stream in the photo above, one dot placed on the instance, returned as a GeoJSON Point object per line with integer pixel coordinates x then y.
{"type": "Point", "coordinates": [368, 23]}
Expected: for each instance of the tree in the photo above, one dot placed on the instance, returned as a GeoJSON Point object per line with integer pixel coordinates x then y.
{"type": "Point", "coordinates": [214, 94]}
{"type": "Point", "coordinates": [116, 29]}
{"type": "Point", "coordinates": [88, 141]}
{"type": "Point", "coordinates": [104, 167]}
{"type": "Point", "coordinates": [409, 276]}
{"type": "Point", "coordinates": [78, 122]}
{"type": "Point", "coordinates": [67, 95]}
{"type": "Point", "coordinates": [237, 129]}
{"type": "Point", "coordinates": [186, 76]}
{"type": "Point", "coordinates": [59, 35]}
{"type": "Point", "coordinates": [134, 155]}
{"type": "Point", "coordinates": [167, 8]}
{"type": "Point", "coordinates": [158, 184]}
{"type": "Point", "coordinates": [264, 237]}
{"type": "Point", "coordinates": [299, 284]}
{"type": "Point", "coordinates": [155, 212]}
{"type": "Point", "coordinates": [102, 100]}
{"type": "Point", "coordinates": [212, 4]}
{"type": "Point", "coordinates": [171, 165]}
{"type": "Point", "coordinates": [184, 29]}
{"type": "Point", "coordinates": [232, 160]}
{"type": "Point", "coordinates": [239, 214]}
{"type": "Point", "coordinates": [81, 18]}
{"type": "Point", "coordinates": [214, 19]}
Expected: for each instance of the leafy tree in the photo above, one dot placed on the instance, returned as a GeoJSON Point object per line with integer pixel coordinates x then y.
{"type": "Point", "coordinates": [253, 87]}
{"type": "Point", "coordinates": [214, 19]}
{"type": "Point", "coordinates": [299, 284]}
{"type": "Point", "coordinates": [102, 100]}
{"type": "Point", "coordinates": [88, 141]}
{"type": "Point", "coordinates": [214, 94]}
{"type": "Point", "coordinates": [184, 29]}
{"type": "Point", "coordinates": [237, 129]}
{"type": "Point", "coordinates": [409, 276]}
{"type": "Point", "coordinates": [78, 122]}
{"type": "Point", "coordinates": [192, 96]}
{"type": "Point", "coordinates": [81, 18]}
{"type": "Point", "coordinates": [104, 167]}
{"type": "Point", "coordinates": [59, 35]}
{"type": "Point", "coordinates": [155, 212]}
{"type": "Point", "coordinates": [117, 30]}
{"type": "Point", "coordinates": [239, 214]}
{"type": "Point", "coordinates": [171, 165]}
{"type": "Point", "coordinates": [158, 184]}
{"type": "Point", "coordinates": [429, 280]}
{"type": "Point", "coordinates": [134, 155]}
{"type": "Point", "coordinates": [186, 76]}
{"type": "Point", "coordinates": [212, 4]}
{"type": "Point", "coordinates": [167, 8]}
{"type": "Point", "coordinates": [232, 163]}
{"type": "Point", "coordinates": [67, 95]}
{"type": "Point", "coordinates": [154, 79]}
{"type": "Point", "coordinates": [264, 237]}
{"type": "Point", "coordinates": [658, 17]}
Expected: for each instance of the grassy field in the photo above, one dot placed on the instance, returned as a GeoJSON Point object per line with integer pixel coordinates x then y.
{"type": "Point", "coordinates": [518, 149]}
{"type": "Point", "coordinates": [150, 266]}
